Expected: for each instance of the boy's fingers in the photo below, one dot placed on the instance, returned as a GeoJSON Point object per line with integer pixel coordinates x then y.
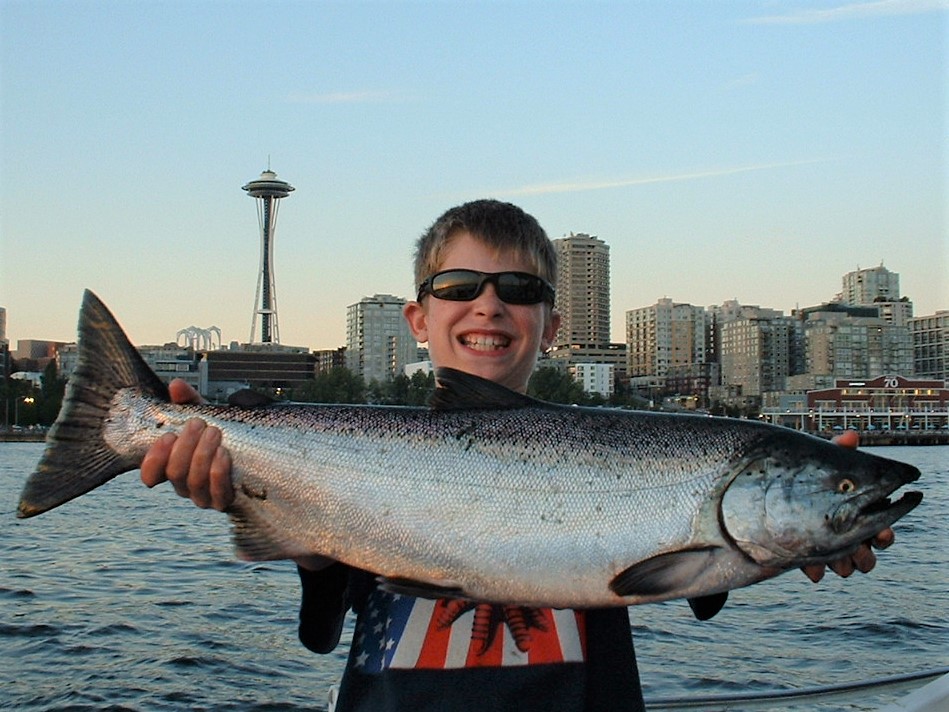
{"type": "Point", "coordinates": [199, 470]}
{"type": "Point", "coordinates": [864, 559]}
{"type": "Point", "coordinates": [221, 489]}
{"type": "Point", "coordinates": [848, 438]}
{"type": "Point", "coordinates": [815, 572]}
{"type": "Point", "coordinates": [179, 462]}
{"type": "Point", "coordinates": [156, 459]}
{"type": "Point", "coordinates": [842, 567]}
{"type": "Point", "coordinates": [884, 539]}
{"type": "Point", "coordinates": [180, 392]}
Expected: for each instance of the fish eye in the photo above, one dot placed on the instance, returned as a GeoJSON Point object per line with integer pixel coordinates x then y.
{"type": "Point", "coordinates": [846, 486]}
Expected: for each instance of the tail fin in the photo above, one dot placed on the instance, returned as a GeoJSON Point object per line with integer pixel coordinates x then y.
{"type": "Point", "coordinates": [77, 458]}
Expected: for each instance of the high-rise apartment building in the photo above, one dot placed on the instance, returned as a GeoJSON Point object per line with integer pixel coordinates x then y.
{"type": "Point", "coordinates": [865, 286]}
{"type": "Point", "coordinates": [665, 336]}
{"type": "Point", "coordinates": [378, 340]}
{"type": "Point", "coordinates": [930, 336]}
{"type": "Point", "coordinates": [856, 347]}
{"type": "Point", "coordinates": [757, 348]}
{"type": "Point", "coordinates": [756, 353]}
{"type": "Point", "coordinates": [583, 300]}
{"type": "Point", "coordinates": [583, 291]}
{"type": "Point", "coordinates": [880, 288]}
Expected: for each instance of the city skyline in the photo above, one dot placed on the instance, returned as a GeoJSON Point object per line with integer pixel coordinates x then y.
{"type": "Point", "coordinates": [744, 150]}
{"type": "Point", "coordinates": [346, 316]}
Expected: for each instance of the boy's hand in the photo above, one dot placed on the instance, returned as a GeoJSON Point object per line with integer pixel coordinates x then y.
{"type": "Point", "coordinates": [198, 466]}
{"type": "Point", "coordinates": [863, 559]}
{"type": "Point", "coordinates": [194, 461]}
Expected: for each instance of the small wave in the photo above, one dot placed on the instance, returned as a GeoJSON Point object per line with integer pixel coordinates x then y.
{"type": "Point", "coordinates": [114, 628]}
{"type": "Point", "coordinates": [193, 661]}
{"type": "Point", "coordinates": [34, 630]}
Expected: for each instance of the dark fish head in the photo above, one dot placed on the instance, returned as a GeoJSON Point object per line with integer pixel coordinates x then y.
{"type": "Point", "coordinates": [799, 500]}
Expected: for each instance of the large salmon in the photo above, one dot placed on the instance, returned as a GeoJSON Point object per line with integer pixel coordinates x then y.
{"type": "Point", "coordinates": [490, 495]}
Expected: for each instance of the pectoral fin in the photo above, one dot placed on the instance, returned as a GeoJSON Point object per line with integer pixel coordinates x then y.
{"type": "Point", "coordinates": [664, 574]}
{"type": "Point", "coordinates": [705, 607]}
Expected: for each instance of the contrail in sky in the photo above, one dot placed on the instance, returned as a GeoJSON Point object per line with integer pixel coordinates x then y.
{"type": "Point", "coordinates": [852, 11]}
{"type": "Point", "coordinates": [578, 186]}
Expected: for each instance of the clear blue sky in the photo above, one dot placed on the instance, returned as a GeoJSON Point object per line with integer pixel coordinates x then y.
{"type": "Point", "coordinates": [725, 150]}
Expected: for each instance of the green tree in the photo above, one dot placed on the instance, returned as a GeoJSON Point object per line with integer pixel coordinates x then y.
{"type": "Point", "coordinates": [555, 386]}
{"type": "Point", "coordinates": [337, 385]}
{"type": "Point", "coordinates": [51, 394]}
{"type": "Point", "coordinates": [421, 387]}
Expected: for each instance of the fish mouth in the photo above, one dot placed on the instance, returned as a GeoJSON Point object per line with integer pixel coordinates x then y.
{"type": "Point", "coordinates": [886, 508]}
{"type": "Point", "coordinates": [878, 514]}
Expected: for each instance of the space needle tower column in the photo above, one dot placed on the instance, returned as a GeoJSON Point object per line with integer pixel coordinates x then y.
{"type": "Point", "coordinates": [267, 190]}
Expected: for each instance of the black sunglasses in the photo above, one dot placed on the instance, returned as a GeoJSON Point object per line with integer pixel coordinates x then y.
{"type": "Point", "coordinates": [463, 285]}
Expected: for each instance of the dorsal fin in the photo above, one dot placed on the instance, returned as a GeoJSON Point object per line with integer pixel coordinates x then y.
{"type": "Point", "coordinates": [459, 390]}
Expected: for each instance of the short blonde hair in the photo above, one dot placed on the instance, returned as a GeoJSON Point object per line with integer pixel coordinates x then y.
{"type": "Point", "coordinates": [501, 226]}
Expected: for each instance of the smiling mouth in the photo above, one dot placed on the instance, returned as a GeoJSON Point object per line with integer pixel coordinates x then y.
{"type": "Point", "coordinates": [485, 343]}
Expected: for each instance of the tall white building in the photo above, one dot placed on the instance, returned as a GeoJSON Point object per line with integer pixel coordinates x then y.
{"type": "Point", "coordinates": [583, 291]}
{"type": "Point", "coordinates": [378, 340]}
{"type": "Point", "coordinates": [877, 287]}
{"type": "Point", "coordinates": [865, 286]}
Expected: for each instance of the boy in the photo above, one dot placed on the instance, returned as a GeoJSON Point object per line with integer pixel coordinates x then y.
{"type": "Point", "coordinates": [485, 306]}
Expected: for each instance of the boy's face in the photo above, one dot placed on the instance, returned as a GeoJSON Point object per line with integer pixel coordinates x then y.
{"type": "Point", "coordinates": [485, 337]}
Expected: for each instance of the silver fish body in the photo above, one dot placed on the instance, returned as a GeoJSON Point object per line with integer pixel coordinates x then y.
{"type": "Point", "coordinates": [490, 495]}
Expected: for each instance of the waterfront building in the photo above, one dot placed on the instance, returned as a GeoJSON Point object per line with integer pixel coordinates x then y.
{"type": "Point", "coordinates": [379, 342]}
{"type": "Point", "coordinates": [930, 335]}
{"type": "Point", "coordinates": [264, 366]}
{"type": "Point", "coordinates": [856, 347]}
{"type": "Point", "coordinates": [168, 361]}
{"type": "Point", "coordinates": [172, 361]}
{"type": "Point", "coordinates": [889, 403]}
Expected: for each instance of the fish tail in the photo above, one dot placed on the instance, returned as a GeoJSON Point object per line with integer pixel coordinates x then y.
{"type": "Point", "coordinates": [77, 457]}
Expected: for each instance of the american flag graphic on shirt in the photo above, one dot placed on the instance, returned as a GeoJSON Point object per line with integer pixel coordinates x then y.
{"type": "Point", "coordinates": [404, 632]}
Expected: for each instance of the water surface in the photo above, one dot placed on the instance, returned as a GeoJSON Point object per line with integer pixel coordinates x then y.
{"type": "Point", "coordinates": [129, 598]}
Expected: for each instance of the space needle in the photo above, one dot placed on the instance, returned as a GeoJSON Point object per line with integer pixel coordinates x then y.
{"type": "Point", "coordinates": [267, 190]}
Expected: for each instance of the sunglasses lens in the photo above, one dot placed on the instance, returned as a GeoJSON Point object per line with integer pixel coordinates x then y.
{"type": "Point", "coordinates": [515, 288]}
{"type": "Point", "coordinates": [456, 286]}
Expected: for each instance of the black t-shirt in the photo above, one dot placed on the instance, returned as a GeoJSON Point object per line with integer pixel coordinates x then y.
{"type": "Point", "coordinates": [421, 654]}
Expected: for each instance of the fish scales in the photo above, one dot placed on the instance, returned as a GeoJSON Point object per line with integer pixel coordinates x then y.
{"type": "Point", "coordinates": [490, 495]}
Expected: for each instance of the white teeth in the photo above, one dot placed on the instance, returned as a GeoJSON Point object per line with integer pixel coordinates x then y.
{"type": "Point", "coordinates": [486, 343]}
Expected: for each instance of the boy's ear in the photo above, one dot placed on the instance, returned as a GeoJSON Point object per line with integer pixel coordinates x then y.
{"type": "Point", "coordinates": [551, 327]}
{"type": "Point", "coordinates": [417, 319]}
